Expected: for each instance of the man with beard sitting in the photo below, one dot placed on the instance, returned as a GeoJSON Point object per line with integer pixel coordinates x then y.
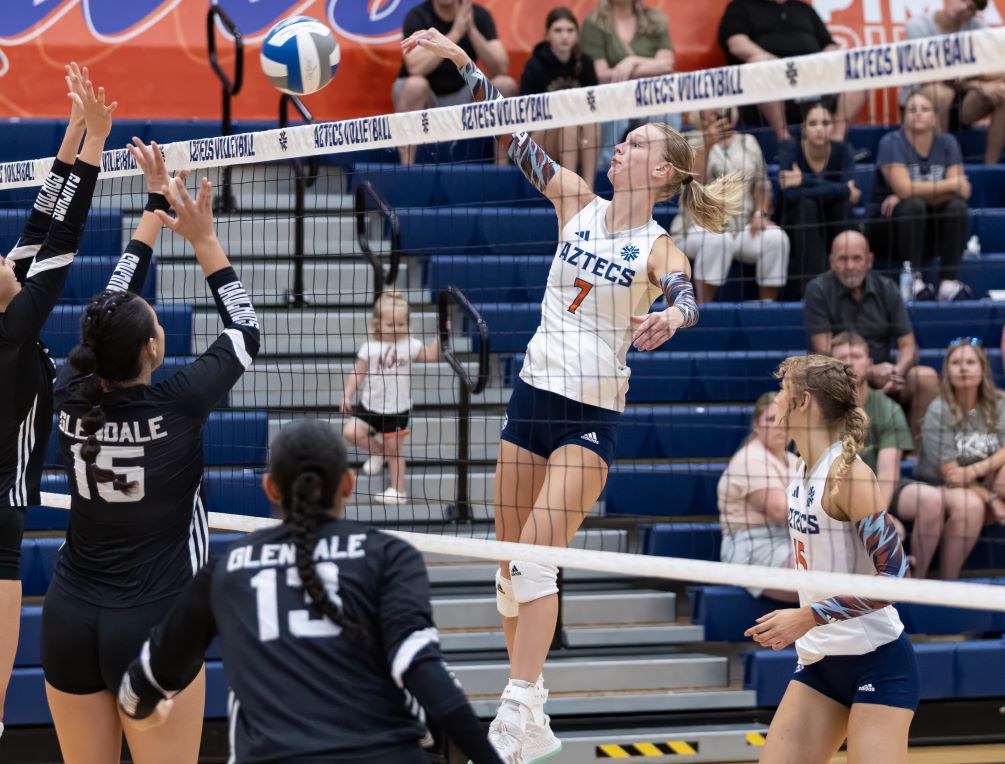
{"type": "Point", "coordinates": [850, 297]}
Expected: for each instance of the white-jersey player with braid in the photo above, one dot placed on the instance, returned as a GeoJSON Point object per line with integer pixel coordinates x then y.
{"type": "Point", "coordinates": [856, 676]}
{"type": "Point", "coordinates": [612, 263]}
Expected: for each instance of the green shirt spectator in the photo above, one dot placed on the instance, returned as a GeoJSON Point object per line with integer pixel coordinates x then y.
{"type": "Point", "coordinates": [602, 43]}
{"type": "Point", "coordinates": [887, 428]}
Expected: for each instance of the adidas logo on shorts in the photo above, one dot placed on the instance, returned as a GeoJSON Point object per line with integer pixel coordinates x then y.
{"type": "Point", "coordinates": [867, 688]}
{"type": "Point", "coordinates": [514, 571]}
{"type": "Point", "coordinates": [592, 437]}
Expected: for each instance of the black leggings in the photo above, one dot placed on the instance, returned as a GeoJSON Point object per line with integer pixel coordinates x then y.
{"type": "Point", "coordinates": [811, 225]}
{"type": "Point", "coordinates": [11, 535]}
{"type": "Point", "coordinates": [919, 231]}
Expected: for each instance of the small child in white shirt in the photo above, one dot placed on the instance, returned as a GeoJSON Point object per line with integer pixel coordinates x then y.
{"type": "Point", "coordinates": [382, 374]}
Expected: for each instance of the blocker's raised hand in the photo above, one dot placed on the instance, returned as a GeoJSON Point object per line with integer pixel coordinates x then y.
{"type": "Point", "coordinates": [437, 43]}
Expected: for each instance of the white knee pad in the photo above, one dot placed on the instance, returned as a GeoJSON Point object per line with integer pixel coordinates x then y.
{"type": "Point", "coordinates": [506, 603]}
{"type": "Point", "coordinates": [532, 581]}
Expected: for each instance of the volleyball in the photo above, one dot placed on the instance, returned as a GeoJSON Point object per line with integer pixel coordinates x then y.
{"type": "Point", "coordinates": [300, 55]}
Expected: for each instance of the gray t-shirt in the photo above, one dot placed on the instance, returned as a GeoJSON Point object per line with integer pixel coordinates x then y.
{"type": "Point", "coordinates": [925, 26]}
{"type": "Point", "coordinates": [942, 442]}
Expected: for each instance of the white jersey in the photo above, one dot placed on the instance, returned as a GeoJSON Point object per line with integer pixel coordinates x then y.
{"type": "Point", "coordinates": [822, 543]}
{"type": "Point", "coordinates": [597, 282]}
{"type": "Point", "coordinates": [387, 386]}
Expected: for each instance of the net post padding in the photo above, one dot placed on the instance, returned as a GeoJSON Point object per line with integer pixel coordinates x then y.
{"type": "Point", "coordinates": [947, 57]}
{"type": "Point", "coordinates": [945, 593]}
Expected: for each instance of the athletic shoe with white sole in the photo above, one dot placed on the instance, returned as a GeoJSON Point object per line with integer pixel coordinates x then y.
{"type": "Point", "coordinates": [390, 496]}
{"type": "Point", "coordinates": [506, 738]}
{"type": "Point", "coordinates": [540, 742]}
{"type": "Point", "coordinates": [952, 290]}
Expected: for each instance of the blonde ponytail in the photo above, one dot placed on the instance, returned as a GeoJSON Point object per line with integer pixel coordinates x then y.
{"type": "Point", "coordinates": [856, 427]}
{"type": "Point", "coordinates": [711, 206]}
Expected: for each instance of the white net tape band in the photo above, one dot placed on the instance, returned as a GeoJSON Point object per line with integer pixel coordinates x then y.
{"type": "Point", "coordinates": [909, 62]}
{"type": "Point", "coordinates": [947, 593]}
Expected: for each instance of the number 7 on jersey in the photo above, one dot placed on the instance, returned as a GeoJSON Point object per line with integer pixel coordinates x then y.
{"type": "Point", "coordinates": [584, 289]}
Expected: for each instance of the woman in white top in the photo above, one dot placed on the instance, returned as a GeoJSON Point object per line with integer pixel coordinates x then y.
{"type": "Point", "coordinates": [753, 508]}
{"type": "Point", "coordinates": [613, 261]}
{"type": "Point", "coordinates": [856, 677]}
{"type": "Point", "coordinates": [750, 236]}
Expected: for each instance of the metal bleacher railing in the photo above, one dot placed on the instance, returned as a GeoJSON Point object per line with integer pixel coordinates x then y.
{"type": "Point", "coordinates": [231, 87]}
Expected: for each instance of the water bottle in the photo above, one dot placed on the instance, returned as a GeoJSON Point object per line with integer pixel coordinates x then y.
{"type": "Point", "coordinates": [907, 282]}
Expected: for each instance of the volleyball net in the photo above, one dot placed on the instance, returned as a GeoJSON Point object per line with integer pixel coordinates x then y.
{"type": "Point", "coordinates": [320, 219]}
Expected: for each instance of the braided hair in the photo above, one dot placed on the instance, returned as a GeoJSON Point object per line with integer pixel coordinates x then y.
{"type": "Point", "coordinates": [307, 461]}
{"type": "Point", "coordinates": [834, 386]}
{"type": "Point", "coordinates": [114, 329]}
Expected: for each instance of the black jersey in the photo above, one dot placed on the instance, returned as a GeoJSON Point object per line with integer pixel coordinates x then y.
{"type": "Point", "coordinates": [130, 549]}
{"type": "Point", "coordinates": [301, 690]}
{"type": "Point", "coordinates": [42, 257]}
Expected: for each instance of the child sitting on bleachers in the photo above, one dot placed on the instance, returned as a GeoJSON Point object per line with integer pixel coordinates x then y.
{"type": "Point", "coordinates": [753, 508]}
{"type": "Point", "coordinates": [382, 376]}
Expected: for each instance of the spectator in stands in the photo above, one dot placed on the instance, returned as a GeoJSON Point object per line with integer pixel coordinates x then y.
{"type": "Point", "coordinates": [851, 297]}
{"type": "Point", "coordinates": [425, 80]}
{"type": "Point", "coordinates": [753, 506]}
{"type": "Point", "coordinates": [627, 40]}
{"type": "Point", "coordinates": [763, 30]}
{"type": "Point", "coordinates": [918, 209]}
{"type": "Point", "coordinates": [962, 101]}
{"type": "Point", "coordinates": [558, 63]}
{"type": "Point", "coordinates": [818, 192]}
{"type": "Point", "coordinates": [962, 449]}
{"type": "Point", "coordinates": [750, 237]}
{"type": "Point", "coordinates": [887, 440]}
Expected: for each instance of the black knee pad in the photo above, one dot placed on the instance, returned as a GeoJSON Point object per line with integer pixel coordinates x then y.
{"type": "Point", "coordinates": [11, 533]}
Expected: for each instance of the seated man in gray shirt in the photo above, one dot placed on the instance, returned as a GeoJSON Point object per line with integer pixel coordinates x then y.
{"type": "Point", "coordinates": [965, 100]}
{"type": "Point", "coordinates": [850, 297]}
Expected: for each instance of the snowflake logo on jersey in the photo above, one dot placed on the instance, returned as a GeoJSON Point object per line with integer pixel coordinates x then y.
{"type": "Point", "coordinates": [630, 252]}
{"type": "Point", "coordinates": [810, 496]}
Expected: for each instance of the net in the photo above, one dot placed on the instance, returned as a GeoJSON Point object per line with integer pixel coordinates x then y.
{"type": "Point", "coordinates": [321, 219]}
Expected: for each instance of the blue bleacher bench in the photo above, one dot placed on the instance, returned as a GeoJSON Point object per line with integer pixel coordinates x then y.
{"type": "Point", "coordinates": [102, 234]}
{"type": "Point", "coordinates": [62, 331]}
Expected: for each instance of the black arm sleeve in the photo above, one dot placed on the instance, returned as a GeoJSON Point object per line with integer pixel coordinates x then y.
{"type": "Point", "coordinates": [29, 310]}
{"type": "Point", "coordinates": [131, 271]}
{"type": "Point", "coordinates": [39, 218]}
{"type": "Point", "coordinates": [201, 384]}
{"type": "Point", "coordinates": [431, 683]}
{"type": "Point", "coordinates": [173, 655]}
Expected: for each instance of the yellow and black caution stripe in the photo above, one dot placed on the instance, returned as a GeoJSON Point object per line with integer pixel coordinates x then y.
{"type": "Point", "coordinates": [632, 750]}
{"type": "Point", "coordinates": [755, 739]}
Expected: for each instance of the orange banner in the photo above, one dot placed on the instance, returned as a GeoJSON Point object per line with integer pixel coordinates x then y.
{"type": "Point", "coordinates": [151, 55]}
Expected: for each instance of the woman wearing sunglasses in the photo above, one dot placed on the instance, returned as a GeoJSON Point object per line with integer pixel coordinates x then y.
{"type": "Point", "coordinates": [963, 434]}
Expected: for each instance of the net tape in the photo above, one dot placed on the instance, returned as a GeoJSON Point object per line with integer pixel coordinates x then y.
{"type": "Point", "coordinates": [946, 57]}
{"type": "Point", "coordinates": [945, 593]}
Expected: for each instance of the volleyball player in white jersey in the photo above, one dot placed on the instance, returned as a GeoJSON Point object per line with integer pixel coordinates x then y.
{"type": "Point", "coordinates": [613, 261]}
{"type": "Point", "coordinates": [856, 676]}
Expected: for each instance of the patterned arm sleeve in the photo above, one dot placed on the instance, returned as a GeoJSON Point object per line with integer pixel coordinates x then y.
{"type": "Point", "coordinates": [533, 161]}
{"type": "Point", "coordinates": [39, 219]}
{"type": "Point", "coordinates": [879, 535]}
{"type": "Point", "coordinates": [679, 294]}
{"type": "Point", "coordinates": [131, 270]}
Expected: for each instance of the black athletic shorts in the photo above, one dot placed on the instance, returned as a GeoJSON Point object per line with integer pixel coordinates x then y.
{"type": "Point", "coordinates": [87, 648]}
{"type": "Point", "coordinates": [11, 535]}
{"type": "Point", "coordinates": [384, 424]}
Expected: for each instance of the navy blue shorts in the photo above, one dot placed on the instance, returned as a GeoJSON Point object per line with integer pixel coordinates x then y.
{"type": "Point", "coordinates": [542, 422]}
{"type": "Point", "coordinates": [888, 676]}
